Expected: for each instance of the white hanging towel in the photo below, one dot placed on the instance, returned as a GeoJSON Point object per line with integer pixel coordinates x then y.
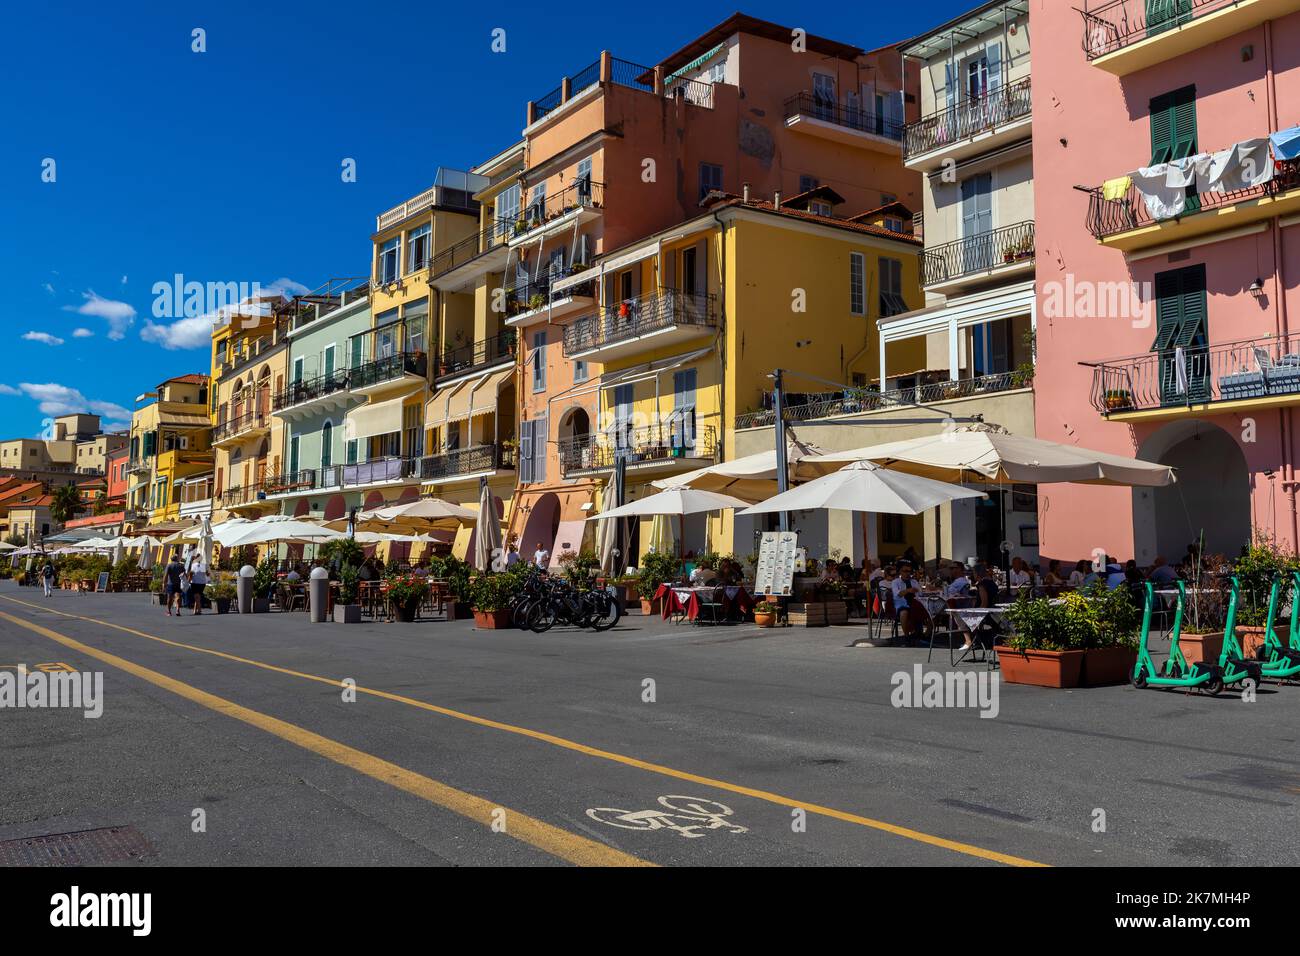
{"type": "Point", "coordinates": [1162, 200]}
{"type": "Point", "coordinates": [1244, 165]}
{"type": "Point", "coordinates": [1180, 371]}
{"type": "Point", "coordinates": [1182, 172]}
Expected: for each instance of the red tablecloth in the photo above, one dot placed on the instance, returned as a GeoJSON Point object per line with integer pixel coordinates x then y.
{"type": "Point", "coordinates": [687, 601]}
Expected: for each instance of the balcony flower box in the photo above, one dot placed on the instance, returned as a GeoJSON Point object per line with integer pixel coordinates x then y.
{"type": "Point", "coordinates": [1117, 400]}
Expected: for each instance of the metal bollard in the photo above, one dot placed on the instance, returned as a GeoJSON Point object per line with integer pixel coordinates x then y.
{"type": "Point", "coordinates": [244, 589]}
{"type": "Point", "coordinates": [320, 594]}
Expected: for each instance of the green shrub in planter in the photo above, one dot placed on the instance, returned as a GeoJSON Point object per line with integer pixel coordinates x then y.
{"type": "Point", "coordinates": [264, 579]}
{"type": "Point", "coordinates": [493, 592]}
{"type": "Point", "coordinates": [657, 567]}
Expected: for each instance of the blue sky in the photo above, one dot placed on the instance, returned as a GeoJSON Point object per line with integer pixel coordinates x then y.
{"type": "Point", "coordinates": [224, 166]}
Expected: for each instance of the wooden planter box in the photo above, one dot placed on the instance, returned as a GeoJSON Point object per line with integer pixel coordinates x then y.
{"type": "Point", "coordinates": [1107, 665]}
{"type": "Point", "coordinates": [807, 615]}
{"type": "Point", "coordinates": [347, 613]}
{"type": "Point", "coordinates": [492, 620]}
{"type": "Point", "coordinates": [1201, 647]}
{"type": "Point", "coordinates": [837, 612]}
{"type": "Point", "coordinates": [1041, 668]}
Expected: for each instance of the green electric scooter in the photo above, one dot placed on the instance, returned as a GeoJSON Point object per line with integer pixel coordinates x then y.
{"type": "Point", "coordinates": [1232, 662]}
{"type": "Point", "coordinates": [1177, 672]}
{"type": "Point", "coordinates": [1276, 661]}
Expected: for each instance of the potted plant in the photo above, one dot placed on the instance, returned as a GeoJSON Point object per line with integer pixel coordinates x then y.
{"type": "Point", "coordinates": [765, 614]}
{"type": "Point", "coordinates": [578, 566]}
{"type": "Point", "coordinates": [1086, 638]}
{"type": "Point", "coordinates": [406, 592]}
{"type": "Point", "coordinates": [1117, 399]}
{"type": "Point", "coordinates": [1258, 565]}
{"type": "Point", "coordinates": [156, 589]}
{"type": "Point", "coordinates": [657, 568]}
{"type": "Point", "coordinates": [491, 595]}
{"type": "Point", "coordinates": [348, 610]}
{"type": "Point", "coordinates": [263, 585]}
{"type": "Point", "coordinates": [222, 593]}
{"type": "Point", "coordinates": [456, 573]}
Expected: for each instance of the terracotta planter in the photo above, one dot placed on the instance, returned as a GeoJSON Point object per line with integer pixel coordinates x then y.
{"type": "Point", "coordinates": [1041, 668]}
{"type": "Point", "coordinates": [1252, 638]}
{"type": "Point", "coordinates": [1107, 665]}
{"type": "Point", "coordinates": [492, 620]}
{"type": "Point", "coordinates": [767, 619]}
{"type": "Point", "coordinates": [651, 606]}
{"type": "Point", "coordinates": [1201, 647]}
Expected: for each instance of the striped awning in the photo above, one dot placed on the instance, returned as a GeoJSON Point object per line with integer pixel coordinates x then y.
{"type": "Point", "coordinates": [473, 396]}
{"type": "Point", "coordinates": [694, 64]}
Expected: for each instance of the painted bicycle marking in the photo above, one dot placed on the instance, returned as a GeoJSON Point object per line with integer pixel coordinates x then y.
{"type": "Point", "coordinates": [689, 817]}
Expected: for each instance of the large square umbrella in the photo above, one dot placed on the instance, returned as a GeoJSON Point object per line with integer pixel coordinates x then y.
{"type": "Point", "coordinates": [674, 501]}
{"type": "Point", "coordinates": [863, 486]}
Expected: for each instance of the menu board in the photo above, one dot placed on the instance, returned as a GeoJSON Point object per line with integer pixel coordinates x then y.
{"type": "Point", "coordinates": [778, 555]}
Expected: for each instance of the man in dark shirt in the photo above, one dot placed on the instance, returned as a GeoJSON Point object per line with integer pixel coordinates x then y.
{"type": "Point", "coordinates": [172, 583]}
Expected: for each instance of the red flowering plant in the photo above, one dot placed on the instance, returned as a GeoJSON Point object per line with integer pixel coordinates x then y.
{"type": "Point", "coordinates": [405, 589]}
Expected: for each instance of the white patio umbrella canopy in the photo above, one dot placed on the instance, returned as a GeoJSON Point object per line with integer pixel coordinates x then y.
{"type": "Point", "coordinates": [6, 546]}
{"type": "Point", "coordinates": [487, 531]}
{"type": "Point", "coordinates": [674, 501]}
{"type": "Point", "coordinates": [280, 528]}
{"type": "Point", "coordinates": [421, 515]}
{"type": "Point", "coordinates": [863, 486]}
{"type": "Point", "coordinates": [987, 454]}
{"type": "Point", "coordinates": [752, 477]}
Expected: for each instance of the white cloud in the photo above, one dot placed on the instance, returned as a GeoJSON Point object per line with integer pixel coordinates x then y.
{"type": "Point", "coordinates": [123, 280]}
{"type": "Point", "coordinates": [9, 390]}
{"type": "Point", "coordinates": [47, 287]}
{"type": "Point", "coordinates": [285, 287]}
{"type": "Point", "coordinates": [82, 333]}
{"type": "Point", "coordinates": [119, 315]}
{"type": "Point", "coordinates": [43, 337]}
{"type": "Point", "coordinates": [183, 334]}
{"type": "Point", "coordinates": [53, 399]}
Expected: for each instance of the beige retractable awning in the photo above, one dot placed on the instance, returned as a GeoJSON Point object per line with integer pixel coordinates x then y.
{"type": "Point", "coordinates": [378, 418]}
{"type": "Point", "coordinates": [474, 396]}
{"type": "Point", "coordinates": [175, 420]}
{"type": "Point", "coordinates": [649, 369]}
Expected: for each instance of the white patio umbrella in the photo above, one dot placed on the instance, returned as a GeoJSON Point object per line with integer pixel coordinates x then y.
{"type": "Point", "coordinates": [674, 501]}
{"type": "Point", "coordinates": [146, 556]}
{"type": "Point", "coordinates": [381, 537]}
{"type": "Point", "coordinates": [421, 515]}
{"type": "Point", "coordinates": [864, 486]}
{"type": "Point", "coordinates": [487, 530]}
{"type": "Point", "coordinates": [281, 528]}
{"type": "Point", "coordinates": [206, 539]}
{"type": "Point", "coordinates": [752, 477]}
{"type": "Point", "coordinates": [985, 453]}
{"type": "Point", "coordinates": [6, 546]}
{"type": "Point", "coordinates": [119, 551]}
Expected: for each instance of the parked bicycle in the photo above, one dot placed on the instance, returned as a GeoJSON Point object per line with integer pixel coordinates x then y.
{"type": "Point", "coordinates": [544, 602]}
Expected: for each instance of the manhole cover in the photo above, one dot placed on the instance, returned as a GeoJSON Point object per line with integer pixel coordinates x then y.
{"type": "Point", "coordinates": [82, 848]}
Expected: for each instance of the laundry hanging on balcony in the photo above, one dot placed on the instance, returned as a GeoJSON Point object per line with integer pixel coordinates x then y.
{"type": "Point", "coordinates": [1117, 188]}
{"type": "Point", "coordinates": [1243, 165]}
{"type": "Point", "coordinates": [1163, 201]}
{"type": "Point", "coordinates": [1286, 144]}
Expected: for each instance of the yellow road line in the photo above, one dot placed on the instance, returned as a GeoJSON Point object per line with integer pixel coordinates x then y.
{"type": "Point", "coordinates": [559, 843]}
{"type": "Point", "coordinates": [776, 798]}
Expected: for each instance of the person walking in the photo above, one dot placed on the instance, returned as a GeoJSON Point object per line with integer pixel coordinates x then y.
{"type": "Point", "coordinates": [198, 572]}
{"type": "Point", "coordinates": [47, 577]}
{"type": "Point", "coordinates": [172, 583]}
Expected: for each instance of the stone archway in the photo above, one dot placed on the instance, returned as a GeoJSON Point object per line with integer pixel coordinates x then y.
{"type": "Point", "coordinates": [542, 525]}
{"type": "Point", "coordinates": [1211, 495]}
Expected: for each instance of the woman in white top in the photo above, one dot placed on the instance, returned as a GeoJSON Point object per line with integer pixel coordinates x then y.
{"type": "Point", "coordinates": [198, 571]}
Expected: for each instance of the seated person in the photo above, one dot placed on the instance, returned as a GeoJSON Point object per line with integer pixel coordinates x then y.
{"type": "Point", "coordinates": [293, 575]}
{"type": "Point", "coordinates": [1161, 573]}
{"type": "Point", "coordinates": [1053, 576]}
{"type": "Point", "coordinates": [958, 583]}
{"type": "Point", "coordinates": [702, 576]}
{"type": "Point", "coordinates": [912, 615]}
{"type": "Point", "coordinates": [1080, 573]}
{"type": "Point", "coordinates": [986, 595]}
{"type": "Point", "coordinates": [1021, 574]}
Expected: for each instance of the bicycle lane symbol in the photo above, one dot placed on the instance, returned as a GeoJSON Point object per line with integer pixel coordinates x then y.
{"type": "Point", "coordinates": [689, 817]}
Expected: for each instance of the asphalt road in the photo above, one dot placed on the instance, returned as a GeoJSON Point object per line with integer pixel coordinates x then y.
{"type": "Point", "coordinates": [468, 747]}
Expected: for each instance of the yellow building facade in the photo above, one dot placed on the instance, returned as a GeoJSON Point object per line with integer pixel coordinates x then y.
{"type": "Point", "coordinates": [170, 445]}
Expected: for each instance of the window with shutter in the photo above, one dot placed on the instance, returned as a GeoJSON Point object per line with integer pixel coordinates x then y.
{"type": "Point", "coordinates": [1165, 15]}
{"type": "Point", "coordinates": [1173, 132]}
{"type": "Point", "coordinates": [1182, 335]}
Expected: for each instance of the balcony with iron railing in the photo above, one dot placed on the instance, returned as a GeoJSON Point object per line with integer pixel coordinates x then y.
{"type": "Point", "coordinates": [571, 206]}
{"type": "Point", "coordinates": [537, 297]}
{"type": "Point", "coordinates": [380, 372]}
{"type": "Point", "coordinates": [624, 74]}
{"type": "Point", "coordinates": [303, 310]}
{"type": "Point", "coordinates": [309, 391]}
{"type": "Point", "coordinates": [1260, 372]}
{"type": "Point", "coordinates": [304, 480]}
{"type": "Point", "coordinates": [240, 426]}
{"type": "Point", "coordinates": [999, 252]}
{"type": "Point", "coordinates": [665, 317]}
{"type": "Point", "coordinates": [451, 189]}
{"type": "Point", "coordinates": [970, 126]}
{"type": "Point", "coordinates": [822, 116]}
{"type": "Point", "coordinates": [462, 462]}
{"type": "Point", "coordinates": [462, 262]}
{"type": "Point", "coordinates": [1126, 223]}
{"type": "Point", "coordinates": [1123, 36]}
{"type": "Point", "coordinates": [670, 443]}
{"type": "Point", "coordinates": [477, 356]}
{"type": "Point", "coordinates": [858, 401]}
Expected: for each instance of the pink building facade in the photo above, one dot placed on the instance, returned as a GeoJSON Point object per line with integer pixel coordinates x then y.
{"type": "Point", "coordinates": [1171, 339]}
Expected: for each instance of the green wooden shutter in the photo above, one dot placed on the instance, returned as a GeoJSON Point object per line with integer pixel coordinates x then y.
{"type": "Point", "coordinates": [1162, 129]}
{"type": "Point", "coordinates": [1164, 15]}
{"type": "Point", "coordinates": [1181, 322]}
{"type": "Point", "coordinates": [1173, 132]}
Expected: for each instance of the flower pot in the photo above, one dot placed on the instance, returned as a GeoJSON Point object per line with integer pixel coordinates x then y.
{"type": "Point", "coordinates": [406, 613]}
{"type": "Point", "coordinates": [1107, 665]}
{"type": "Point", "coordinates": [222, 605]}
{"type": "Point", "coordinates": [347, 613]}
{"type": "Point", "coordinates": [1252, 638]}
{"type": "Point", "coordinates": [261, 605]}
{"type": "Point", "coordinates": [651, 606]}
{"type": "Point", "coordinates": [1040, 668]}
{"type": "Point", "coordinates": [765, 618]}
{"type": "Point", "coordinates": [492, 620]}
{"type": "Point", "coordinates": [1201, 647]}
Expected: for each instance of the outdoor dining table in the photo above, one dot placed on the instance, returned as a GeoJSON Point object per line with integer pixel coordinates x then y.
{"type": "Point", "coordinates": [686, 601]}
{"type": "Point", "coordinates": [973, 618]}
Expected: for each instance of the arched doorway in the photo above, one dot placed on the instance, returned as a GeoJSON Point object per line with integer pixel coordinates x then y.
{"type": "Point", "coordinates": [1211, 495]}
{"type": "Point", "coordinates": [335, 508]}
{"type": "Point", "coordinates": [542, 524]}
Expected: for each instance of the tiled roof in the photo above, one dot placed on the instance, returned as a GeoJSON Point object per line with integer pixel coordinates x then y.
{"type": "Point", "coordinates": [862, 227]}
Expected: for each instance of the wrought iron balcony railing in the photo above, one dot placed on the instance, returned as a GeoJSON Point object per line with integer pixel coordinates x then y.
{"type": "Point", "coordinates": [536, 293]}
{"type": "Point", "coordinates": [1116, 24]}
{"type": "Point", "coordinates": [481, 354]}
{"type": "Point", "coordinates": [829, 111]}
{"type": "Point", "coordinates": [387, 369]}
{"type": "Point", "coordinates": [981, 253]}
{"type": "Point", "coordinates": [967, 118]}
{"type": "Point", "coordinates": [583, 194]}
{"type": "Point", "coordinates": [858, 401]}
{"type": "Point", "coordinates": [466, 461]}
{"type": "Point", "coordinates": [633, 318]}
{"type": "Point", "coordinates": [469, 248]}
{"type": "Point", "coordinates": [310, 389]}
{"type": "Point", "coordinates": [238, 424]}
{"type": "Point", "coordinates": [1110, 217]}
{"type": "Point", "coordinates": [1263, 367]}
{"type": "Point", "coordinates": [651, 444]}
{"type": "Point", "coordinates": [304, 480]}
